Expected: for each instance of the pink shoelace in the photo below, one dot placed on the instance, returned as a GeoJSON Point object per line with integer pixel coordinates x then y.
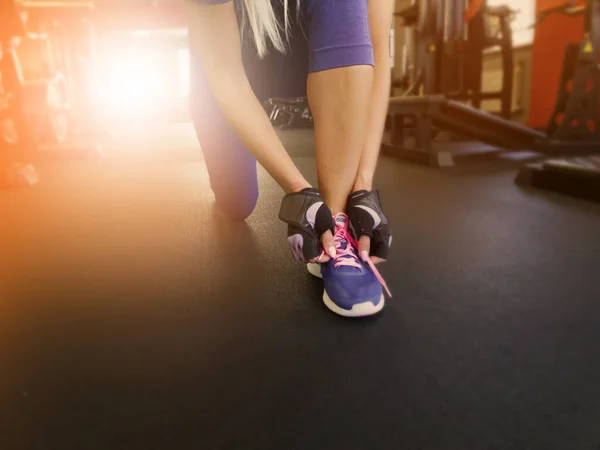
{"type": "Point", "coordinates": [348, 256]}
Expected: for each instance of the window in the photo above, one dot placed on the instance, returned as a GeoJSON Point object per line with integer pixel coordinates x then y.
{"type": "Point", "coordinates": [522, 31]}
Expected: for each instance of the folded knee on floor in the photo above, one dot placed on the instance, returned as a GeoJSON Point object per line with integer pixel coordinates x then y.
{"type": "Point", "coordinates": [238, 205]}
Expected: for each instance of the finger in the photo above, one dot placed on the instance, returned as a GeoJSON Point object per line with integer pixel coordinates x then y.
{"type": "Point", "coordinates": [328, 243]}
{"type": "Point", "coordinates": [377, 260]}
{"type": "Point", "coordinates": [364, 247]}
{"type": "Point", "coordinates": [321, 259]}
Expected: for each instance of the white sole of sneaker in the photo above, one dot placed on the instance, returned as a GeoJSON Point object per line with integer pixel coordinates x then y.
{"type": "Point", "coordinates": [365, 309]}
{"type": "Point", "coordinates": [315, 270]}
{"type": "Point", "coordinates": [360, 310]}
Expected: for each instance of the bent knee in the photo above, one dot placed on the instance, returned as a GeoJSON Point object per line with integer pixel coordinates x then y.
{"type": "Point", "coordinates": [237, 210]}
{"type": "Point", "coordinates": [237, 205]}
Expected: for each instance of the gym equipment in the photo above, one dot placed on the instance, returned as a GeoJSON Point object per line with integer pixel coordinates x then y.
{"type": "Point", "coordinates": [45, 105]}
{"type": "Point", "coordinates": [556, 25]}
{"type": "Point", "coordinates": [437, 112]}
{"type": "Point", "coordinates": [37, 76]}
{"type": "Point", "coordinates": [444, 47]}
{"type": "Point", "coordinates": [576, 177]}
{"type": "Point", "coordinates": [8, 131]}
{"type": "Point", "coordinates": [289, 113]}
{"type": "Point", "coordinates": [19, 175]}
{"type": "Point", "coordinates": [11, 25]}
{"type": "Point", "coordinates": [576, 116]}
{"type": "Point", "coordinates": [576, 113]}
{"type": "Point", "coordinates": [442, 31]}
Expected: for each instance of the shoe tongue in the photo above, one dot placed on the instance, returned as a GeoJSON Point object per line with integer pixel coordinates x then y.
{"type": "Point", "coordinates": [346, 262]}
{"type": "Point", "coordinates": [341, 221]}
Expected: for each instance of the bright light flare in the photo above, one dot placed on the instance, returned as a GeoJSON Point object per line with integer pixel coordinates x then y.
{"type": "Point", "coordinates": [183, 60]}
{"type": "Point", "coordinates": [144, 79]}
{"type": "Point", "coordinates": [136, 83]}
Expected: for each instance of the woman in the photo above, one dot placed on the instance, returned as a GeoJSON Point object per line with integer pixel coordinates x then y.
{"type": "Point", "coordinates": [348, 89]}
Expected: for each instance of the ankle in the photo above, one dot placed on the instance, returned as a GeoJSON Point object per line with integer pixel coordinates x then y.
{"type": "Point", "coordinates": [337, 208]}
{"type": "Point", "coordinates": [363, 184]}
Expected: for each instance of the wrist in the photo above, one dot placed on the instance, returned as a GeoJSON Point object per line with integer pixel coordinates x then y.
{"type": "Point", "coordinates": [296, 187]}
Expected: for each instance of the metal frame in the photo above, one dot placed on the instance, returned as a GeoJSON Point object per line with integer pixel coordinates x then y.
{"type": "Point", "coordinates": [577, 177]}
{"type": "Point", "coordinates": [427, 114]}
{"type": "Point", "coordinates": [431, 113]}
{"type": "Point", "coordinates": [32, 118]}
{"type": "Point", "coordinates": [449, 59]}
{"type": "Point", "coordinates": [448, 51]}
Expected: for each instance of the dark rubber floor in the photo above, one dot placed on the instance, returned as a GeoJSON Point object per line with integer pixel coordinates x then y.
{"type": "Point", "coordinates": [132, 317]}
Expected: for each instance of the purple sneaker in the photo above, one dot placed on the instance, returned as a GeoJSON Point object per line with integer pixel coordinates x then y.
{"type": "Point", "coordinates": [352, 289]}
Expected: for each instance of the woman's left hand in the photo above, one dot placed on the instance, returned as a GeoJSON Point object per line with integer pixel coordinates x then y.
{"type": "Point", "coordinates": [370, 225]}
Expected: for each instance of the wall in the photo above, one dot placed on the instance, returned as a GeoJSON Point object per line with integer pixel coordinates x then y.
{"type": "Point", "coordinates": [551, 37]}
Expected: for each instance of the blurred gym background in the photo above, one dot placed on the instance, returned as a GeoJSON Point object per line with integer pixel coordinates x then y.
{"type": "Point", "coordinates": [110, 60]}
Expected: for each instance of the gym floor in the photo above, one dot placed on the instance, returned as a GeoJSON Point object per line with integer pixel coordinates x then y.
{"type": "Point", "coordinates": [134, 317]}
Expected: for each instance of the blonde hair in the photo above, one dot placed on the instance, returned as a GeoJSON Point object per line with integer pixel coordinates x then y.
{"type": "Point", "coordinates": [259, 14]}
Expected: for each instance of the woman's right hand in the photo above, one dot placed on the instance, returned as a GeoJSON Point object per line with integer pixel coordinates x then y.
{"type": "Point", "coordinates": [217, 52]}
{"type": "Point", "coordinates": [310, 226]}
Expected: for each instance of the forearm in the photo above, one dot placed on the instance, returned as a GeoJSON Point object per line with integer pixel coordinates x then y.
{"type": "Point", "coordinates": [380, 21]}
{"type": "Point", "coordinates": [248, 119]}
{"type": "Point", "coordinates": [215, 44]}
{"type": "Point", "coordinates": [375, 127]}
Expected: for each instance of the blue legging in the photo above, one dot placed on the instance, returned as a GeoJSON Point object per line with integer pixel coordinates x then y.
{"type": "Point", "coordinates": [338, 36]}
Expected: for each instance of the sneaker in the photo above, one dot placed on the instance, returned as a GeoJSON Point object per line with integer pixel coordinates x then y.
{"type": "Point", "coordinates": [352, 289]}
